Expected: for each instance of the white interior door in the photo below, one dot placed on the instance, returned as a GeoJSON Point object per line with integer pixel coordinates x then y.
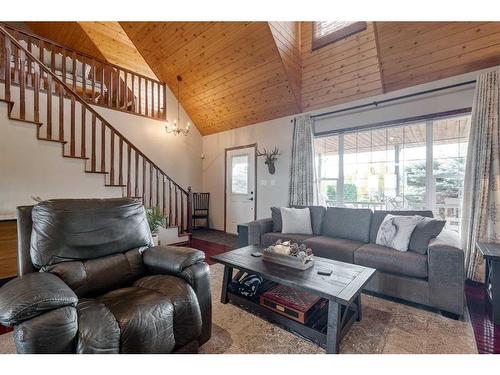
{"type": "Point", "coordinates": [240, 187]}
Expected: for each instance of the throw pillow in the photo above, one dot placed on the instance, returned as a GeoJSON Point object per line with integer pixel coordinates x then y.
{"type": "Point", "coordinates": [426, 229]}
{"type": "Point", "coordinates": [395, 231]}
{"type": "Point", "coordinates": [276, 216]}
{"type": "Point", "coordinates": [296, 220]}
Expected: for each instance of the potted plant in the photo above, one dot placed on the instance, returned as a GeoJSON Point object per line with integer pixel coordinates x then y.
{"type": "Point", "coordinates": [155, 220]}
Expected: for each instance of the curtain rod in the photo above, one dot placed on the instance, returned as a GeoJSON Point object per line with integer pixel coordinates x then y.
{"type": "Point", "coordinates": [376, 103]}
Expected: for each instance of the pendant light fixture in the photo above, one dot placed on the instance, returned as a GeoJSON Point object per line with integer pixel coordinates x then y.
{"type": "Point", "coordinates": [176, 129]}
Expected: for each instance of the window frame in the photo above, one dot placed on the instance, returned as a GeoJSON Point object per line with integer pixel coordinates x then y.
{"type": "Point", "coordinates": [427, 120]}
{"type": "Point", "coordinates": [335, 36]}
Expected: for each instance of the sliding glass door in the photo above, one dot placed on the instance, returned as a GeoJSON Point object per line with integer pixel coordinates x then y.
{"type": "Point", "coordinates": [406, 166]}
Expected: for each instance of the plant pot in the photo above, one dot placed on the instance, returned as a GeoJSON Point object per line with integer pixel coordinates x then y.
{"type": "Point", "coordinates": [156, 241]}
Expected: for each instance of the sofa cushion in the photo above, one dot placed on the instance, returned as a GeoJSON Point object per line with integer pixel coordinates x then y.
{"type": "Point", "coordinates": [145, 318]}
{"type": "Point", "coordinates": [78, 229]}
{"type": "Point", "coordinates": [389, 260]}
{"type": "Point", "coordinates": [349, 223]}
{"type": "Point", "coordinates": [97, 276]}
{"type": "Point", "coordinates": [317, 214]}
{"type": "Point", "coordinates": [339, 249]}
{"type": "Point", "coordinates": [268, 239]}
{"type": "Point", "coordinates": [379, 216]}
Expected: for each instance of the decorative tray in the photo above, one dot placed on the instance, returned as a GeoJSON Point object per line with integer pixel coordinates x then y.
{"type": "Point", "coordinates": [289, 254]}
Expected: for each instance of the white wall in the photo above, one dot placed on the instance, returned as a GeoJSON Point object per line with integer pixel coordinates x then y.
{"type": "Point", "coordinates": [267, 135]}
{"type": "Point", "coordinates": [29, 167]}
{"type": "Point", "coordinates": [279, 133]}
{"type": "Point", "coordinates": [178, 155]}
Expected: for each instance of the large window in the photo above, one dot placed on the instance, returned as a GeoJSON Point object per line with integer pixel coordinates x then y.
{"type": "Point", "coordinates": [326, 32]}
{"type": "Point", "coordinates": [409, 166]}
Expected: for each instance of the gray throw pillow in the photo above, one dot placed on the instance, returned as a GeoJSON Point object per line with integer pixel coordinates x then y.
{"type": "Point", "coordinates": [276, 216]}
{"type": "Point", "coordinates": [427, 229]}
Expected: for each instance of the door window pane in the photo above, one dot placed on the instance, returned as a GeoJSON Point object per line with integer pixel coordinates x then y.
{"type": "Point", "coordinates": [239, 174]}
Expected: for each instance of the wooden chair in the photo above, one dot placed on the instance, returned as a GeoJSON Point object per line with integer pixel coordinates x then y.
{"type": "Point", "coordinates": [201, 204]}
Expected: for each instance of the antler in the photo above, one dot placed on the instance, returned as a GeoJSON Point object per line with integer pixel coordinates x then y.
{"type": "Point", "coordinates": [262, 153]}
{"type": "Point", "coordinates": [275, 152]}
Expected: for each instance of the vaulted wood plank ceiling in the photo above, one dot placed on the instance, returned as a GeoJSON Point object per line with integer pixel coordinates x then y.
{"type": "Point", "coordinates": [240, 73]}
{"type": "Point", "coordinates": [233, 72]}
{"type": "Point", "coordinates": [105, 40]}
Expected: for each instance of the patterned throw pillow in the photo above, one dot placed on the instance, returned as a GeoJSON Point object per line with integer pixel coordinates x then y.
{"type": "Point", "coordinates": [395, 231]}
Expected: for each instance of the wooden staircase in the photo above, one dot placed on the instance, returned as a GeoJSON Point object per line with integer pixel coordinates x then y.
{"type": "Point", "coordinates": [36, 95]}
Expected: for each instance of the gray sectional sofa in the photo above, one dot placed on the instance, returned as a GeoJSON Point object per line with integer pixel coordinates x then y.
{"type": "Point", "coordinates": [433, 277]}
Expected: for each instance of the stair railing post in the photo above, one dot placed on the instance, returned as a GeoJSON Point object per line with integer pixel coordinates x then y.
{"type": "Point", "coordinates": [189, 210]}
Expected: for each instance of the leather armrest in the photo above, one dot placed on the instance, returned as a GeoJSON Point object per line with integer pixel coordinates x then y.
{"type": "Point", "coordinates": [33, 294]}
{"type": "Point", "coordinates": [171, 259]}
{"type": "Point", "coordinates": [257, 228]}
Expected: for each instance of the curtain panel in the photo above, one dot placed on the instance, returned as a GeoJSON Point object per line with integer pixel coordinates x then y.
{"type": "Point", "coordinates": [481, 198]}
{"type": "Point", "coordinates": [301, 190]}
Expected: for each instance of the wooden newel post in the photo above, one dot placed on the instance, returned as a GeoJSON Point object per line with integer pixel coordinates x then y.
{"type": "Point", "coordinates": [189, 210]}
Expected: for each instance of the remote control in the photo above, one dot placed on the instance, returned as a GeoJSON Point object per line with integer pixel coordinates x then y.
{"type": "Point", "coordinates": [325, 272]}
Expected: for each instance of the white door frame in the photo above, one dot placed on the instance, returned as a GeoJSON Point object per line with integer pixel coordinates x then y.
{"type": "Point", "coordinates": [254, 145]}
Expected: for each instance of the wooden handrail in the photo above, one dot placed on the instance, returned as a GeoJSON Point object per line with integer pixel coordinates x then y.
{"type": "Point", "coordinates": [119, 93]}
{"type": "Point", "coordinates": [28, 70]}
{"type": "Point", "coordinates": [86, 55]}
{"type": "Point", "coordinates": [85, 104]}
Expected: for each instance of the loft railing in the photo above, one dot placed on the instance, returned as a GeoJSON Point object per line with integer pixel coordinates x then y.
{"type": "Point", "coordinates": [96, 81]}
{"type": "Point", "coordinates": [67, 118]}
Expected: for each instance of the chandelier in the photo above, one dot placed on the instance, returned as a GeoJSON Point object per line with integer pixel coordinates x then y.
{"type": "Point", "coordinates": [176, 129]}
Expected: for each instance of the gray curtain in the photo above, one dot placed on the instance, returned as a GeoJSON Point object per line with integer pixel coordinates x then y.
{"type": "Point", "coordinates": [302, 188]}
{"type": "Point", "coordinates": [481, 199]}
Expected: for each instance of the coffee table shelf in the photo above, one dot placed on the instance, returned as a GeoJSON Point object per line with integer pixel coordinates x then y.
{"type": "Point", "coordinates": [342, 289]}
{"type": "Point", "coordinates": [315, 334]}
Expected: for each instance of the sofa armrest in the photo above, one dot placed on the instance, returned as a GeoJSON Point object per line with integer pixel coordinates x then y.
{"type": "Point", "coordinates": [257, 228]}
{"type": "Point", "coordinates": [447, 272]}
{"type": "Point", "coordinates": [171, 259]}
{"type": "Point", "coordinates": [33, 294]}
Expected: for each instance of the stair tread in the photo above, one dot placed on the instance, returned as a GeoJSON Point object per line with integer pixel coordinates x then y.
{"type": "Point", "coordinates": [51, 140]}
{"type": "Point", "coordinates": [76, 157]}
{"type": "Point", "coordinates": [24, 120]}
{"type": "Point", "coordinates": [98, 172]}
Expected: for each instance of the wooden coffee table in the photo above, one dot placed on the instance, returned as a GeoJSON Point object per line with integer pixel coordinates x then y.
{"type": "Point", "coordinates": [342, 289]}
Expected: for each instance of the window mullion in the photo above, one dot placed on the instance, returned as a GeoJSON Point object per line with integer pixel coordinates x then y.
{"type": "Point", "coordinates": [430, 201]}
{"type": "Point", "coordinates": [340, 181]}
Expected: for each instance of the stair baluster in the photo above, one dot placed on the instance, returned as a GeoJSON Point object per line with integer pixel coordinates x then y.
{"type": "Point", "coordinates": [19, 66]}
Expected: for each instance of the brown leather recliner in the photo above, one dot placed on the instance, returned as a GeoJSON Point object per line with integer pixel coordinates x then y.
{"type": "Point", "coordinates": [90, 281]}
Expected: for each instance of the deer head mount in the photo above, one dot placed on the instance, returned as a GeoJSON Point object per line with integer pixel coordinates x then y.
{"type": "Point", "coordinates": [271, 157]}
